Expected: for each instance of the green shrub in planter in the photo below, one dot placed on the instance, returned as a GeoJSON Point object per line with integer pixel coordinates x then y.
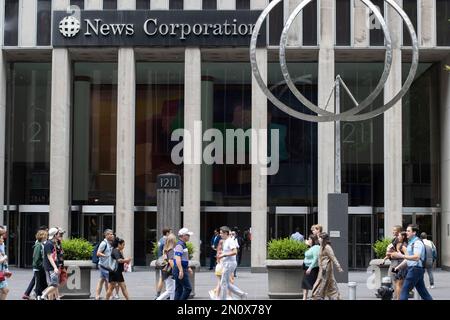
{"type": "Point", "coordinates": [286, 249]}
{"type": "Point", "coordinates": [380, 247]}
{"type": "Point", "coordinates": [77, 249]}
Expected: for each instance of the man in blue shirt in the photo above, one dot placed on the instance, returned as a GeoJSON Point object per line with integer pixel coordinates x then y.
{"type": "Point", "coordinates": [415, 258]}
{"type": "Point", "coordinates": [214, 243]}
{"type": "Point", "coordinates": [181, 266]}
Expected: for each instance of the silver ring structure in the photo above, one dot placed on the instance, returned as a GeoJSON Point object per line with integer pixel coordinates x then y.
{"type": "Point", "coordinates": [325, 116]}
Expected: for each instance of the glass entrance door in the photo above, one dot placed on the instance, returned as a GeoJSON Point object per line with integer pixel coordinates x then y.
{"type": "Point", "coordinates": [360, 241]}
{"type": "Point", "coordinates": [29, 225]}
{"type": "Point", "coordinates": [286, 225]}
{"type": "Point", "coordinates": [95, 224]}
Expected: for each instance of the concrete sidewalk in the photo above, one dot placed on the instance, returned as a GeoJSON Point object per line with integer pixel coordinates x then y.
{"type": "Point", "coordinates": [141, 284]}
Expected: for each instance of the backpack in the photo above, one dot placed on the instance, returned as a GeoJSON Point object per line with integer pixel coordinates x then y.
{"type": "Point", "coordinates": [423, 261]}
{"type": "Point", "coordinates": [96, 259]}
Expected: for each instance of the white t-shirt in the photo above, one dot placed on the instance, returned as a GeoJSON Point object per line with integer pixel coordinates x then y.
{"type": "Point", "coordinates": [228, 246]}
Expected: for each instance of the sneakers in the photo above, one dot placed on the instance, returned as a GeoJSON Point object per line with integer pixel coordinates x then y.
{"type": "Point", "coordinates": [212, 295]}
{"type": "Point", "coordinates": [244, 296]}
{"type": "Point", "coordinates": [116, 297]}
{"type": "Point", "coordinates": [432, 287]}
{"type": "Point", "coordinates": [25, 297]}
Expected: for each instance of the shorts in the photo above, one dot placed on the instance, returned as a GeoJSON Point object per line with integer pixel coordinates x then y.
{"type": "Point", "coordinates": [52, 278]}
{"type": "Point", "coordinates": [3, 284]}
{"type": "Point", "coordinates": [104, 274]}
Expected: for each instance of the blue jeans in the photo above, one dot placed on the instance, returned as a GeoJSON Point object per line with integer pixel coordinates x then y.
{"type": "Point", "coordinates": [414, 278]}
{"type": "Point", "coordinates": [182, 287]}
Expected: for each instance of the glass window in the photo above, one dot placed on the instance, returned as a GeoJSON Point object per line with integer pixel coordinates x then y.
{"type": "Point", "coordinates": [209, 4]}
{"type": "Point", "coordinates": [410, 8]}
{"type": "Point", "coordinates": [343, 22]}
{"type": "Point", "coordinates": [109, 4]}
{"type": "Point", "coordinates": [362, 144]}
{"type": "Point", "coordinates": [242, 4]}
{"type": "Point", "coordinates": [310, 24]}
{"type": "Point", "coordinates": [44, 22]}
{"type": "Point", "coordinates": [295, 183]}
{"type": "Point", "coordinates": [275, 24]}
{"type": "Point", "coordinates": [159, 112]}
{"type": "Point", "coordinates": [176, 4]}
{"type": "Point", "coordinates": [442, 22]}
{"type": "Point", "coordinates": [11, 22]}
{"type": "Point", "coordinates": [144, 237]}
{"type": "Point", "coordinates": [421, 138]}
{"type": "Point", "coordinates": [376, 32]}
{"type": "Point", "coordinates": [28, 114]}
{"type": "Point", "coordinates": [79, 3]}
{"type": "Point", "coordinates": [94, 133]}
{"type": "Point", "coordinates": [142, 4]}
{"type": "Point", "coordinates": [226, 107]}
{"type": "Point", "coordinates": [239, 221]}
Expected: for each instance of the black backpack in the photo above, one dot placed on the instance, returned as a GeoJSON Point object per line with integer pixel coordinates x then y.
{"type": "Point", "coordinates": [95, 259]}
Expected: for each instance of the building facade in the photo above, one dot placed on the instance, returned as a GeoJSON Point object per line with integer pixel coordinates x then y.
{"type": "Point", "coordinates": [86, 129]}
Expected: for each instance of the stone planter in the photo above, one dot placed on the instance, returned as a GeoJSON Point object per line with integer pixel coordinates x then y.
{"type": "Point", "coordinates": [195, 266]}
{"type": "Point", "coordinates": [379, 271]}
{"type": "Point", "coordinates": [285, 279]}
{"type": "Point", "coordinates": [78, 285]}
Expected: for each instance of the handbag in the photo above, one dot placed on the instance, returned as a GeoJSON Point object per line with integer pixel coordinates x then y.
{"type": "Point", "coordinates": [219, 269]}
{"type": "Point", "coordinates": [2, 276]}
{"type": "Point", "coordinates": [62, 276]}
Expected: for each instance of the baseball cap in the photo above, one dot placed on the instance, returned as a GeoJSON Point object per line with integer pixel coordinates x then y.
{"type": "Point", "coordinates": [184, 231]}
{"type": "Point", "coordinates": [52, 232]}
{"type": "Point", "coordinates": [61, 230]}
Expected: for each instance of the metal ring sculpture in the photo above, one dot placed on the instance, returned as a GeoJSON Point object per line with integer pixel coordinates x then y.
{"type": "Point", "coordinates": [323, 115]}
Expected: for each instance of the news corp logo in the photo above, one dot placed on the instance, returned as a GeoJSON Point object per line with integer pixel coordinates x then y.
{"type": "Point", "coordinates": [69, 26]}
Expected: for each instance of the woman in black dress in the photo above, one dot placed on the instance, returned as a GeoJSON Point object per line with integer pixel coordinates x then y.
{"type": "Point", "coordinates": [116, 277]}
{"type": "Point", "coordinates": [310, 265]}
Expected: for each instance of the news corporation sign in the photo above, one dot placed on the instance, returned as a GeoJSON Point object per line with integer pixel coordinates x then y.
{"type": "Point", "coordinates": [155, 28]}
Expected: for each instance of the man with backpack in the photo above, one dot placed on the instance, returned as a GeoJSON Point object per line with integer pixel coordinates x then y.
{"type": "Point", "coordinates": [431, 257]}
{"type": "Point", "coordinates": [102, 254]}
{"type": "Point", "coordinates": [50, 263]}
{"type": "Point", "coordinates": [415, 255]}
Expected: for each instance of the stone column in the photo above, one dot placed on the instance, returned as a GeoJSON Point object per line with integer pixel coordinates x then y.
{"type": "Point", "coordinates": [190, 4]}
{"type": "Point", "coordinates": [27, 23]}
{"type": "Point", "coordinates": [326, 131]}
{"type": "Point", "coordinates": [360, 24]}
{"type": "Point", "coordinates": [93, 4]}
{"type": "Point", "coordinates": [445, 165]}
{"type": "Point", "coordinates": [226, 4]}
{"type": "Point", "coordinates": [60, 139]}
{"type": "Point", "coordinates": [427, 23]}
{"type": "Point", "coordinates": [295, 34]}
{"type": "Point", "coordinates": [159, 5]}
{"type": "Point", "coordinates": [259, 181]}
{"type": "Point", "coordinates": [60, 130]}
{"type": "Point", "coordinates": [393, 201]}
{"type": "Point", "coordinates": [126, 101]}
{"type": "Point", "coordinates": [192, 164]}
{"type": "Point", "coordinates": [192, 119]}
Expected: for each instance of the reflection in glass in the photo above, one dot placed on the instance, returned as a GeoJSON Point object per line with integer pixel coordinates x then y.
{"type": "Point", "coordinates": [362, 172]}
{"type": "Point", "coordinates": [410, 7]}
{"type": "Point", "coordinates": [343, 22]}
{"type": "Point", "coordinates": [44, 22]}
{"type": "Point", "coordinates": [295, 184]}
{"type": "Point", "coordinates": [94, 133]}
{"type": "Point", "coordinates": [159, 111]}
{"type": "Point", "coordinates": [310, 24]}
{"type": "Point", "coordinates": [144, 237]}
{"type": "Point", "coordinates": [442, 27]}
{"type": "Point", "coordinates": [237, 220]}
{"type": "Point", "coordinates": [421, 148]}
{"type": "Point", "coordinates": [28, 152]}
{"type": "Point", "coordinates": [226, 104]}
{"type": "Point", "coordinates": [376, 32]}
{"type": "Point", "coordinates": [11, 23]}
{"type": "Point", "coordinates": [275, 20]}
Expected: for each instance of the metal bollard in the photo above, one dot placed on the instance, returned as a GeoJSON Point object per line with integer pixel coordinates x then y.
{"type": "Point", "coordinates": [352, 290]}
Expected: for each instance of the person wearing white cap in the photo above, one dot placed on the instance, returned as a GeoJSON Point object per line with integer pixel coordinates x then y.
{"type": "Point", "coordinates": [50, 263]}
{"type": "Point", "coordinates": [181, 266]}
